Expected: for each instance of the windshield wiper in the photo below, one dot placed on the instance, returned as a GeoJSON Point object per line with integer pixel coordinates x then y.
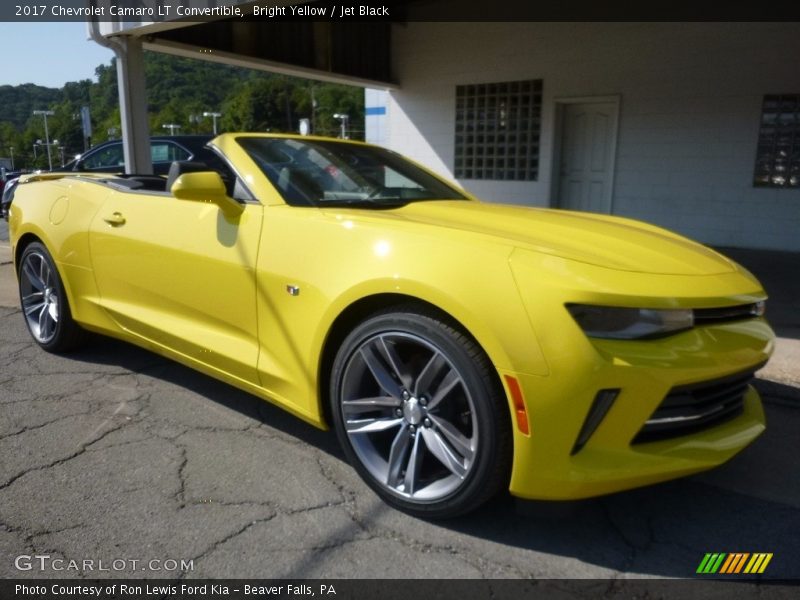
{"type": "Point", "coordinates": [375, 203]}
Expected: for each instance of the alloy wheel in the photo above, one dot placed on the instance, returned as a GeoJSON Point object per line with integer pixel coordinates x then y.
{"type": "Point", "coordinates": [409, 416]}
{"type": "Point", "coordinates": [39, 295]}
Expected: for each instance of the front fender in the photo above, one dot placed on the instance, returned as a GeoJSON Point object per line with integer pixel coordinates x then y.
{"type": "Point", "coordinates": [335, 261]}
{"type": "Point", "coordinates": [506, 337]}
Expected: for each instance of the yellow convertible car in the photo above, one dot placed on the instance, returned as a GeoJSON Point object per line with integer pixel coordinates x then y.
{"type": "Point", "coordinates": [457, 347]}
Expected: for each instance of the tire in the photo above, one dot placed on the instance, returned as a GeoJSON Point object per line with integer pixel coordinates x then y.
{"type": "Point", "coordinates": [44, 302]}
{"type": "Point", "coordinates": [420, 414]}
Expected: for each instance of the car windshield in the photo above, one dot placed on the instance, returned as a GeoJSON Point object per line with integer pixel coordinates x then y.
{"type": "Point", "coordinates": [329, 173]}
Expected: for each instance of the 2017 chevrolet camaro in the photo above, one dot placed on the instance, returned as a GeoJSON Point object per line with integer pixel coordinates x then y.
{"type": "Point", "coordinates": [457, 347]}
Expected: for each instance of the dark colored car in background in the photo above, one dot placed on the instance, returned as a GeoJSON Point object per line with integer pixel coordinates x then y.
{"type": "Point", "coordinates": [108, 157]}
{"type": "Point", "coordinates": [7, 175]}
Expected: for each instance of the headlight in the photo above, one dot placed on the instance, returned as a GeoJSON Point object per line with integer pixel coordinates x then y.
{"type": "Point", "coordinates": [612, 322]}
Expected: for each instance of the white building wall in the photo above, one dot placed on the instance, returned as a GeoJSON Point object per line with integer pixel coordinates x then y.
{"type": "Point", "coordinates": [691, 98]}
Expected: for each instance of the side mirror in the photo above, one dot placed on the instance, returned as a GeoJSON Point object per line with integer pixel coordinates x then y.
{"type": "Point", "coordinates": [205, 186]}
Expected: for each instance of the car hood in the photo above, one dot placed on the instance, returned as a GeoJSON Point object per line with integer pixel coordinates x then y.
{"type": "Point", "coordinates": [601, 240]}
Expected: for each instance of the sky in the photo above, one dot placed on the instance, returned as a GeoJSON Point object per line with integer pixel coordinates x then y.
{"type": "Point", "coordinates": [48, 54]}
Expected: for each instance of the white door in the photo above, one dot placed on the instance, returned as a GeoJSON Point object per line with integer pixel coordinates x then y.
{"type": "Point", "coordinates": [588, 136]}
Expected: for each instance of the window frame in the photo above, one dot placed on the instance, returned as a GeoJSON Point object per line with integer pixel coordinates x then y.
{"type": "Point", "coordinates": [777, 160]}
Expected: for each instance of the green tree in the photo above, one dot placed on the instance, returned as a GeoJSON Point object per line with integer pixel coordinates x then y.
{"type": "Point", "coordinates": [179, 90]}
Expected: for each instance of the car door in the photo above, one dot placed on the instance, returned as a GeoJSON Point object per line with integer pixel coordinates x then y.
{"type": "Point", "coordinates": [181, 274]}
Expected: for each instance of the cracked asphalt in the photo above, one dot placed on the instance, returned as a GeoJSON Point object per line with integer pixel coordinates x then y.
{"type": "Point", "coordinates": [115, 453]}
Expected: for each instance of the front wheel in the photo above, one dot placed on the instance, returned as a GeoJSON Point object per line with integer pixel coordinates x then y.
{"type": "Point", "coordinates": [420, 414]}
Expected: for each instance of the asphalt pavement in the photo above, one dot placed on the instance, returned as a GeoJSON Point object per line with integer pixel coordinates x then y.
{"type": "Point", "coordinates": [117, 456]}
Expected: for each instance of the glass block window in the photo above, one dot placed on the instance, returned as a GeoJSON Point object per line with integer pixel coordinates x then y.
{"type": "Point", "coordinates": [778, 156]}
{"type": "Point", "coordinates": [497, 130]}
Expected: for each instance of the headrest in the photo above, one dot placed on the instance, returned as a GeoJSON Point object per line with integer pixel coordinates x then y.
{"type": "Point", "coordinates": [179, 167]}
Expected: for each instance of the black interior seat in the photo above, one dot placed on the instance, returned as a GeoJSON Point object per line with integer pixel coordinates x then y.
{"type": "Point", "coordinates": [295, 185]}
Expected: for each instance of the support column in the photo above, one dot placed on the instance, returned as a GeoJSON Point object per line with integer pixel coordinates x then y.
{"type": "Point", "coordinates": [133, 105]}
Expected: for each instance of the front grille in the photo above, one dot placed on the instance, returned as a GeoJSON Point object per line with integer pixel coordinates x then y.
{"type": "Point", "coordinates": [690, 408]}
{"type": "Point", "coordinates": [711, 316]}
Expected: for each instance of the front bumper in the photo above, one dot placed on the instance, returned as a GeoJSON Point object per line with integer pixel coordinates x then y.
{"type": "Point", "coordinates": [546, 468]}
{"type": "Point", "coordinates": [546, 462]}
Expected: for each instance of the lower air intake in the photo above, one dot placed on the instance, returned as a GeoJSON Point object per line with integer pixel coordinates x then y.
{"type": "Point", "coordinates": [691, 408]}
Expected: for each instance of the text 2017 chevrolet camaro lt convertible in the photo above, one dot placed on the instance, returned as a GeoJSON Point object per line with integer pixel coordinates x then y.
{"type": "Point", "coordinates": [456, 347]}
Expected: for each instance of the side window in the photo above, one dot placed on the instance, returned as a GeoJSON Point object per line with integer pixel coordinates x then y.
{"type": "Point", "coordinates": [111, 156]}
{"type": "Point", "coordinates": [398, 180]}
{"type": "Point", "coordinates": [167, 152]}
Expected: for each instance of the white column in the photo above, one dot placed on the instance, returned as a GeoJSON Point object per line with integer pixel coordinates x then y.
{"type": "Point", "coordinates": [133, 105]}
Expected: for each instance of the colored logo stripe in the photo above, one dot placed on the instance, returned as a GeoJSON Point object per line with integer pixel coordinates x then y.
{"type": "Point", "coordinates": [758, 564]}
{"type": "Point", "coordinates": [711, 563]}
{"type": "Point", "coordinates": [734, 563]}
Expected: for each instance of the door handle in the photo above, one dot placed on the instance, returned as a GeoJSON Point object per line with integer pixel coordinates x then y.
{"type": "Point", "coordinates": [115, 219]}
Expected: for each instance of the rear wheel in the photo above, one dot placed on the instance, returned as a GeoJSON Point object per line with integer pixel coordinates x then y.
{"type": "Point", "coordinates": [44, 303]}
{"type": "Point", "coordinates": [420, 414]}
